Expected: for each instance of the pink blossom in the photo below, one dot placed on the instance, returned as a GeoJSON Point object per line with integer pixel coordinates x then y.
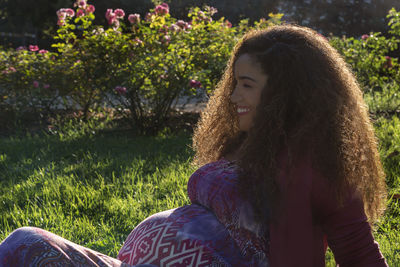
{"type": "Point", "coordinates": [388, 64]}
{"type": "Point", "coordinates": [174, 28]}
{"type": "Point", "coordinates": [80, 3]}
{"type": "Point", "coordinates": [33, 48]}
{"type": "Point", "coordinates": [61, 14]}
{"type": "Point", "coordinates": [163, 29]}
{"type": "Point", "coordinates": [182, 24]}
{"type": "Point", "coordinates": [115, 24]}
{"type": "Point", "coordinates": [166, 39]}
{"type": "Point", "coordinates": [64, 12]}
{"type": "Point", "coordinates": [46, 86]}
{"type": "Point", "coordinates": [43, 51]}
{"type": "Point", "coordinates": [134, 18]}
{"type": "Point", "coordinates": [35, 84]}
{"type": "Point", "coordinates": [9, 70]}
{"type": "Point", "coordinates": [120, 90]}
{"type": "Point", "coordinates": [80, 13]}
{"type": "Point", "coordinates": [111, 16]}
{"type": "Point", "coordinates": [138, 41]}
{"type": "Point", "coordinates": [228, 24]}
{"type": "Point", "coordinates": [213, 10]}
{"type": "Point", "coordinates": [148, 16]}
{"type": "Point", "coordinates": [162, 9]}
{"type": "Point", "coordinates": [90, 9]}
{"type": "Point", "coordinates": [119, 13]}
{"type": "Point", "coordinates": [70, 12]}
{"type": "Point", "coordinates": [365, 36]}
{"type": "Point", "coordinates": [109, 12]}
{"type": "Point", "coordinates": [195, 84]}
{"type": "Point", "coordinates": [201, 15]}
{"type": "Point", "coordinates": [60, 22]}
{"type": "Point", "coordinates": [19, 48]}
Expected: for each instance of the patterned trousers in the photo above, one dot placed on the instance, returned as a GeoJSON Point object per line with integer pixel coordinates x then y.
{"type": "Point", "coordinates": [30, 246]}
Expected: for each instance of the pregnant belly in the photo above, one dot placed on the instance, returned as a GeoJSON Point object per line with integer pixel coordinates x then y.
{"type": "Point", "coordinates": [186, 236]}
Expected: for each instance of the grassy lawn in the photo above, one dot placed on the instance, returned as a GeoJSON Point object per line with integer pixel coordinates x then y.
{"type": "Point", "coordinates": [93, 185]}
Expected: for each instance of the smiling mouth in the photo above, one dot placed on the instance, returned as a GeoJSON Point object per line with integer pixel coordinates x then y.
{"type": "Point", "coordinates": [242, 110]}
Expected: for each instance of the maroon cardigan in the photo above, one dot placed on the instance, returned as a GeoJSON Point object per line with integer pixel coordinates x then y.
{"type": "Point", "coordinates": [310, 216]}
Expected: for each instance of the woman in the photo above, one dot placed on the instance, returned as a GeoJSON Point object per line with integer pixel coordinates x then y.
{"type": "Point", "coordinates": [289, 166]}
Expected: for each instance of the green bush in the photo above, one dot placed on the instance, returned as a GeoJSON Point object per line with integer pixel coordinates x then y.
{"type": "Point", "coordinates": [377, 72]}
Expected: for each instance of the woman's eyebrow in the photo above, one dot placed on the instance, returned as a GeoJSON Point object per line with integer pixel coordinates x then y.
{"type": "Point", "coordinates": [246, 78]}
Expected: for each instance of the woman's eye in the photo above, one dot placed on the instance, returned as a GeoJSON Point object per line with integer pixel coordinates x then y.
{"type": "Point", "coordinates": [246, 85]}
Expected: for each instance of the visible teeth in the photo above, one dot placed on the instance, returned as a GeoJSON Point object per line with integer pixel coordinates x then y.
{"type": "Point", "coordinates": [241, 110]}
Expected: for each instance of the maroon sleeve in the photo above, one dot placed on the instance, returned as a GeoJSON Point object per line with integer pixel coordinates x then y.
{"type": "Point", "coordinates": [292, 234]}
{"type": "Point", "coordinates": [348, 231]}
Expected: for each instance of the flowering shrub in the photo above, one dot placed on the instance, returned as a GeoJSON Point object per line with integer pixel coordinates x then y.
{"type": "Point", "coordinates": [377, 71]}
{"type": "Point", "coordinates": [143, 65]}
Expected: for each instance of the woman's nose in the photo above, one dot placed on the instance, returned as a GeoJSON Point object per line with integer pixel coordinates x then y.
{"type": "Point", "coordinates": [235, 96]}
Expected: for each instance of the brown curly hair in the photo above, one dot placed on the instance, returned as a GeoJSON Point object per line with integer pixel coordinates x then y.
{"type": "Point", "coordinates": [311, 102]}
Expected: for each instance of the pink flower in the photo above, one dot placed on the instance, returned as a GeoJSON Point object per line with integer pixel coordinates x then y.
{"type": "Point", "coordinates": [120, 90]}
{"type": "Point", "coordinates": [64, 12]}
{"type": "Point", "coordinates": [175, 28]}
{"type": "Point", "coordinates": [228, 24]}
{"type": "Point", "coordinates": [19, 48]}
{"type": "Point", "coordinates": [201, 15]}
{"type": "Point", "coordinates": [46, 86]}
{"type": "Point", "coordinates": [148, 16]}
{"type": "Point", "coordinates": [33, 48]}
{"type": "Point", "coordinates": [166, 39]}
{"type": "Point", "coordinates": [70, 12]}
{"type": "Point", "coordinates": [365, 36]}
{"type": "Point", "coordinates": [163, 29]}
{"type": "Point", "coordinates": [138, 41]}
{"type": "Point", "coordinates": [111, 16]}
{"type": "Point", "coordinates": [61, 14]}
{"type": "Point", "coordinates": [60, 22]}
{"type": "Point", "coordinates": [195, 84]}
{"type": "Point", "coordinates": [388, 64]}
{"type": "Point", "coordinates": [134, 18]}
{"type": "Point", "coordinates": [80, 13]}
{"type": "Point", "coordinates": [213, 10]}
{"type": "Point", "coordinates": [182, 24]}
{"type": "Point", "coordinates": [119, 13]}
{"type": "Point", "coordinates": [35, 84]}
{"type": "Point", "coordinates": [43, 51]}
{"type": "Point", "coordinates": [162, 9]}
{"type": "Point", "coordinates": [80, 3]}
{"type": "Point", "coordinates": [9, 70]}
{"type": "Point", "coordinates": [90, 9]}
{"type": "Point", "coordinates": [115, 24]}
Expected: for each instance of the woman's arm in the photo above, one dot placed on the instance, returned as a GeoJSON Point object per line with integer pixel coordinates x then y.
{"type": "Point", "coordinates": [348, 231]}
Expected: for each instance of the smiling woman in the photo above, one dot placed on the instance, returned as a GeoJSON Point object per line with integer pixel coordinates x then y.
{"type": "Point", "coordinates": [289, 165]}
{"type": "Point", "coordinates": [250, 82]}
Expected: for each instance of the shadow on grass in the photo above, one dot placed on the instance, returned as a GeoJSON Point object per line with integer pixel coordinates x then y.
{"type": "Point", "coordinates": [109, 153]}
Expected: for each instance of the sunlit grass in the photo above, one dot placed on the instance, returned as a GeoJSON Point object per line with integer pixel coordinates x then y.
{"type": "Point", "coordinates": [93, 185]}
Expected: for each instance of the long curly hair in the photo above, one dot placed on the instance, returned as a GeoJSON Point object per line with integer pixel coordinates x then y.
{"type": "Point", "coordinates": [311, 105]}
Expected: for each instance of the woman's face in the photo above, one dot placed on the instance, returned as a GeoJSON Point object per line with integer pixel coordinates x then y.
{"type": "Point", "coordinates": [250, 82]}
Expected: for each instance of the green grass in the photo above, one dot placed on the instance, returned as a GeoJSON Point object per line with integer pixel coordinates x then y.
{"type": "Point", "coordinates": [93, 185]}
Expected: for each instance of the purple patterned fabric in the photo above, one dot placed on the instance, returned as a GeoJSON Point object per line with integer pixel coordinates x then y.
{"type": "Point", "coordinates": [217, 229]}
{"type": "Point", "coordinates": [30, 246]}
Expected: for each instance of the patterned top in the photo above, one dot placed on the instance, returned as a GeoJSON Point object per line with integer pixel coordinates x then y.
{"type": "Point", "coordinates": [217, 229]}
